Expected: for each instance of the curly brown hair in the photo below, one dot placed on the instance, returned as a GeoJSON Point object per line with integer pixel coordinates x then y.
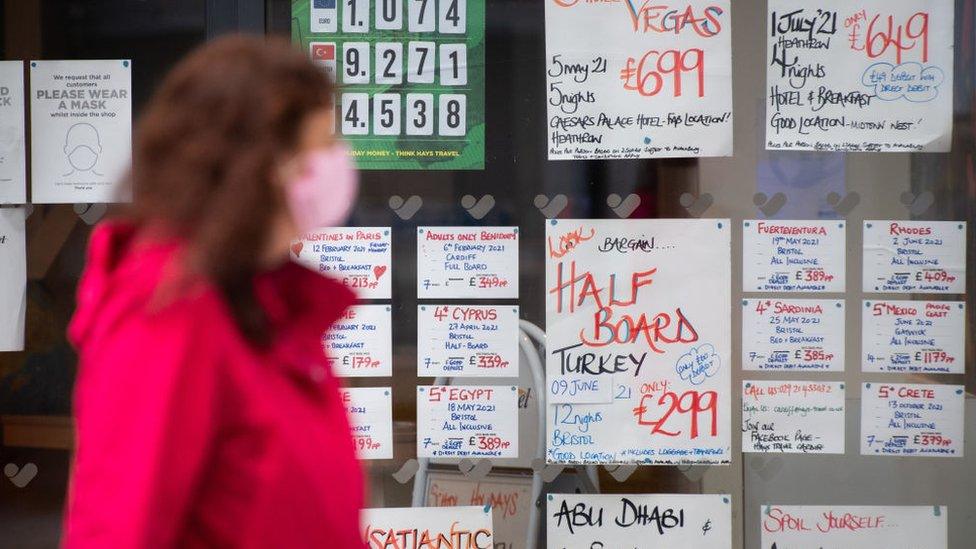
{"type": "Point", "coordinates": [206, 153]}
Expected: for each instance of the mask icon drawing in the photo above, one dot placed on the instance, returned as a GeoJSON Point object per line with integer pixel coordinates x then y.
{"type": "Point", "coordinates": [82, 147]}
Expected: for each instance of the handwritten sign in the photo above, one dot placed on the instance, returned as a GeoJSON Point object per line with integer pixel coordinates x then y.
{"type": "Point", "coordinates": [793, 256]}
{"type": "Point", "coordinates": [13, 159]}
{"type": "Point", "coordinates": [467, 340]}
{"type": "Point", "coordinates": [914, 336]}
{"type": "Point", "coordinates": [510, 497]}
{"type": "Point", "coordinates": [632, 80]}
{"type": "Point", "coordinates": [847, 526]}
{"type": "Point", "coordinates": [467, 421]}
{"type": "Point", "coordinates": [793, 417]}
{"type": "Point", "coordinates": [869, 76]}
{"type": "Point", "coordinates": [360, 343]}
{"type": "Point", "coordinates": [528, 420]}
{"type": "Point", "coordinates": [81, 130]}
{"type": "Point", "coordinates": [793, 334]}
{"type": "Point", "coordinates": [467, 262]}
{"type": "Point", "coordinates": [642, 304]}
{"type": "Point", "coordinates": [359, 257]}
{"type": "Point", "coordinates": [641, 521]}
{"type": "Point", "coordinates": [912, 420]}
{"type": "Point", "coordinates": [915, 257]}
{"type": "Point", "coordinates": [422, 527]}
{"type": "Point", "coordinates": [13, 278]}
{"type": "Point", "coordinates": [370, 412]}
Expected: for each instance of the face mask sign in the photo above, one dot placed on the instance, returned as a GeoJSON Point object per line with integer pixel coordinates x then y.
{"type": "Point", "coordinates": [82, 146]}
{"type": "Point", "coordinates": [82, 158]}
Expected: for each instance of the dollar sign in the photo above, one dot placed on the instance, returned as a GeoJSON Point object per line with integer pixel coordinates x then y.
{"type": "Point", "coordinates": [706, 527]}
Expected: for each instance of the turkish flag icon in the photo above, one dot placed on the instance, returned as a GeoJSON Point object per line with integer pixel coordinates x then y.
{"type": "Point", "coordinates": [322, 51]}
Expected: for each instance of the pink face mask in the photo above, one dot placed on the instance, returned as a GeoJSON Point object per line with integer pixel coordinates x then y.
{"type": "Point", "coordinates": [323, 194]}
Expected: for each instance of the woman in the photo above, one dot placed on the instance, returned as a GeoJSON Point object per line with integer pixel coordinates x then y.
{"type": "Point", "coordinates": [206, 413]}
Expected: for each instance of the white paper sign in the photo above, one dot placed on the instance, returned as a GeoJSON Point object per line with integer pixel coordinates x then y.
{"type": "Point", "coordinates": [81, 130]}
{"type": "Point", "coordinates": [467, 421]}
{"type": "Point", "coordinates": [850, 526]}
{"type": "Point", "coordinates": [793, 256]}
{"type": "Point", "coordinates": [793, 417]}
{"type": "Point", "coordinates": [638, 521]}
{"type": "Point", "coordinates": [13, 160]}
{"type": "Point", "coordinates": [360, 343]}
{"type": "Point", "coordinates": [467, 340]}
{"type": "Point", "coordinates": [13, 278]}
{"type": "Point", "coordinates": [638, 80]}
{"type": "Point", "coordinates": [467, 527]}
{"type": "Point", "coordinates": [370, 412]}
{"type": "Point", "coordinates": [467, 263]}
{"type": "Point", "coordinates": [359, 257]}
{"type": "Point", "coordinates": [643, 304]}
{"type": "Point", "coordinates": [912, 420]}
{"type": "Point", "coordinates": [510, 497]}
{"type": "Point", "coordinates": [915, 257]}
{"type": "Point", "coordinates": [793, 334]}
{"type": "Point", "coordinates": [874, 75]}
{"type": "Point", "coordinates": [914, 336]}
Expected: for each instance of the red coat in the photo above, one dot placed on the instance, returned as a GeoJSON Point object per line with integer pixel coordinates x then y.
{"type": "Point", "coordinates": [186, 436]}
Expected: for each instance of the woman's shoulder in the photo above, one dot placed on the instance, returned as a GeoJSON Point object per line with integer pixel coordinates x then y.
{"type": "Point", "coordinates": [140, 279]}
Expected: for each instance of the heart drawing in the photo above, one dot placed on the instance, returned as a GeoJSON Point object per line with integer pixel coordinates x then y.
{"type": "Point", "coordinates": [917, 204]}
{"type": "Point", "coordinates": [475, 470]}
{"type": "Point", "coordinates": [623, 207]}
{"type": "Point", "coordinates": [621, 472]}
{"type": "Point", "coordinates": [696, 206]}
{"type": "Point", "coordinates": [769, 205]}
{"type": "Point", "coordinates": [844, 205]}
{"type": "Point", "coordinates": [551, 207]}
{"type": "Point", "coordinates": [406, 471]}
{"type": "Point", "coordinates": [378, 271]}
{"type": "Point", "coordinates": [478, 207]}
{"type": "Point", "coordinates": [296, 248]}
{"type": "Point", "coordinates": [405, 209]}
{"type": "Point", "coordinates": [20, 476]}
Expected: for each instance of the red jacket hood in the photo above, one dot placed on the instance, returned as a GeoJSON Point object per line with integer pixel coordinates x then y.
{"type": "Point", "coordinates": [127, 272]}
